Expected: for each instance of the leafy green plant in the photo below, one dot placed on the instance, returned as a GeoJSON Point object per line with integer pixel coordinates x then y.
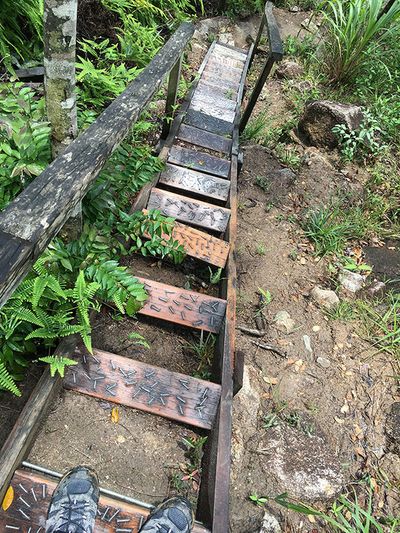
{"type": "Point", "coordinates": [138, 43]}
{"type": "Point", "coordinates": [260, 501]}
{"type": "Point", "coordinates": [264, 183]}
{"type": "Point", "coordinates": [288, 156]}
{"type": "Point", "coordinates": [57, 363]}
{"type": "Point", "coordinates": [7, 382]}
{"type": "Point", "coordinates": [20, 29]}
{"type": "Point", "coordinates": [24, 140]}
{"type": "Point", "coordinates": [362, 143]}
{"type": "Point", "coordinates": [203, 348]}
{"type": "Point", "coordinates": [342, 311]}
{"type": "Point", "coordinates": [353, 26]}
{"type": "Point", "coordinates": [215, 277]}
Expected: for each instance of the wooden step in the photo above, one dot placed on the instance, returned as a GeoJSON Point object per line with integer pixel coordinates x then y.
{"type": "Point", "coordinates": [205, 139]}
{"type": "Point", "coordinates": [223, 72]}
{"type": "Point", "coordinates": [223, 60]}
{"type": "Point", "coordinates": [196, 182]}
{"type": "Point", "coordinates": [145, 387]}
{"type": "Point", "coordinates": [206, 122]}
{"type": "Point", "coordinates": [218, 107]}
{"type": "Point", "coordinates": [221, 81]}
{"type": "Point", "coordinates": [227, 51]}
{"type": "Point", "coordinates": [196, 160]}
{"type": "Point", "coordinates": [180, 306]}
{"type": "Point", "coordinates": [208, 89]}
{"type": "Point", "coordinates": [200, 245]}
{"type": "Point", "coordinates": [189, 210]}
{"type": "Point", "coordinates": [32, 493]}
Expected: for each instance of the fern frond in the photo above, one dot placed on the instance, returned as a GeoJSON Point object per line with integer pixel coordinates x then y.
{"type": "Point", "coordinates": [57, 363]}
{"type": "Point", "coordinates": [39, 286]}
{"type": "Point", "coordinates": [7, 382]}
{"type": "Point", "coordinates": [29, 316]}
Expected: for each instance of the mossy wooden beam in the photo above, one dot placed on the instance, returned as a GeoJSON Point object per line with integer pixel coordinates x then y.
{"type": "Point", "coordinates": [39, 212]}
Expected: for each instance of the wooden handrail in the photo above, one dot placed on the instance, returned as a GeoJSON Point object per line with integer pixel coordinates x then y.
{"type": "Point", "coordinates": [35, 217]}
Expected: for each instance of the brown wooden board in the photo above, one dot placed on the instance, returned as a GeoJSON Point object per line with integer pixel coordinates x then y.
{"type": "Point", "coordinates": [32, 499]}
{"type": "Point", "coordinates": [197, 182]}
{"type": "Point", "coordinates": [201, 161]}
{"type": "Point", "coordinates": [189, 210]}
{"type": "Point", "coordinates": [149, 388]}
{"type": "Point", "coordinates": [205, 139]}
{"type": "Point", "coordinates": [208, 123]}
{"type": "Point", "coordinates": [201, 245]}
{"type": "Point", "coordinates": [184, 307]}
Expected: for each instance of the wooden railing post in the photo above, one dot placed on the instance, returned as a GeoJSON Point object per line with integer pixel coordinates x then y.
{"type": "Point", "coordinates": [275, 54]}
{"type": "Point", "coordinates": [173, 84]}
{"type": "Point", "coordinates": [258, 39]}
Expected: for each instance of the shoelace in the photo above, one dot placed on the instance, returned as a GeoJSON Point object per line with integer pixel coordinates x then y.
{"type": "Point", "coordinates": [70, 509]}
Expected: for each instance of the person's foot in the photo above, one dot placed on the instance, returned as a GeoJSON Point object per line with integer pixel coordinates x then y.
{"type": "Point", "coordinates": [73, 506]}
{"type": "Point", "coordinates": [172, 516]}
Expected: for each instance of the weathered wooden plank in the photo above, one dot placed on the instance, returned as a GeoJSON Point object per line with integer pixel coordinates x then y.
{"type": "Point", "coordinates": [190, 180]}
{"type": "Point", "coordinates": [28, 423]}
{"type": "Point", "coordinates": [40, 211]}
{"type": "Point", "coordinates": [197, 160]}
{"type": "Point", "coordinates": [223, 71]}
{"type": "Point", "coordinates": [206, 122]}
{"type": "Point", "coordinates": [213, 108]}
{"type": "Point", "coordinates": [207, 89]}
{"type": "Point", "coordinates": [222, 60]}
{"type": "Point", "coordinates": [222, 102]}
{"type": "Point", "coordinates": [181, 306]}
{"type": "Point", "coordinates": [229, 51]}
{"type": "Point", "coordinates": [188, 210]}
{"type": "Point", "coordinates": [14, 253]}
{"type": "Point", "coordinates": [203, 138]}
{"type": "Point", "coordinates": [36, 490]}
{"type": "Point", "coordinates": [216, 79]}
{"type": "Point", "coordinates": [200, 245]}
{"type": "Point", "coordinates": [145, 387]}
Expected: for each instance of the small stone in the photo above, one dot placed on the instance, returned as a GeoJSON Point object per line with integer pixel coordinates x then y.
{"type": "Point", "coordinates": [316, 328]}
{"type": "Point", "coordinates": [324, 297]}
{"type": "Point", "coordinates": [307, 343]}
{"type": "Point", "coordinates": [284, 322]}
{"type": "Point", "coordinates": [270, 524]}
{"type": "Point", "coordinates": [303, 261]}
{"type": "Point", "coordinates": [352, 281]}
{"type": "Point", "coordinates": [294, 9]}
{"type": "Point", "coordinates": [324, 362]}
{"type": "Point", "coordinates": [376, 288]}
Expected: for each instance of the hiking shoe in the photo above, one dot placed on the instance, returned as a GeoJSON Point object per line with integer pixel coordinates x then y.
{"type": "Point", "coordinates": [73, 506]}
{"type": "Point", "coordinates": [172, 516]}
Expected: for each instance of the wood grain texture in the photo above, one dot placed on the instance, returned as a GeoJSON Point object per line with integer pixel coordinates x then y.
{"type": "Point", "coordinates": [28, 423]}
{"type": "Point", "coordinates": [145, 387]}
{"type": "Point", "coordinates": [229, 51]}
{"type": "Point", "coordinates": [197, 160]}
{"type": "Point", "coordinates": [206, 122]}
{"type": "Point", "coordinates": [223, 71]}
{"type": "Point", "coordinates": [226, 61]}
{"type": "Point", "coordinates": [205, 139]}
{"type": "Point", "coordinates": [41, 210]}
{"type": "Point", "coordinates": [186, 180]}
{"type": "Point", "coordinates": [208, 88]}
{"type": "Point", "coordinates": [214, 107]}
{"type": "Point", "coordinates": [180, 306]}
{"type": "Point", "coordinates": [200, 245]}
{"type": "Point", "coordinates": [14, 253]}
{"type": "Point", "coordinates": [189, 210]}
{"type": "Point", "coordinates": [36, 490]}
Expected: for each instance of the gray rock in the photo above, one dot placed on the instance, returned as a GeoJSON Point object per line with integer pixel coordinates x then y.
{"type": "Point", "coordinates": [322, 115]}
{"type": "Point", "coordinates": [270, 524]}
{"type": "Point", "coordinates": [352, 281]}
{"type": "Point", "coordinates": [307, 343]}
{"type": "Point", "coordinates": [284, 322]}
{"type": "Point", "coordinates": [376, 288]}
{"type": "Point", "coordinates": [324, 297]}
{"type": "Point", "coordinates": [392, 428]}
{"type": "Point", "coordinates": [324, 362]}
{"type": "Point", "coordinates": [304, 466]}
{"type": "Point", "coordinates": [294, 9]}
{"type": "Point", "coordinates": [289, 70]}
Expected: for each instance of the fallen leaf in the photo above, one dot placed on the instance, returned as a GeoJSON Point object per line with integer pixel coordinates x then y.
{"type": "Point", "coordinates": [360, 451]}
{"type": "Point", "coordinates": [115, 415]}
{"type": "Point", "coordinates": [8, 498]}
{"type": "Point", "coordinates": [345, 408]}
{"type": "Point", "coordinates": [311, 518]}
{"type": "Point", "coordinates": [374, 484]}
{"type": "Point", "coordinates": [270, 380]}
{"type": "Point", "coordinates": [339, 420]}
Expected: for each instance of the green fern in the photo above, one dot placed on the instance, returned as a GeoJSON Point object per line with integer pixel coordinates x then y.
{"type": "Point", "coordinates": [57, 364]}
{"type": "Point", "coordinates": [7, 382]}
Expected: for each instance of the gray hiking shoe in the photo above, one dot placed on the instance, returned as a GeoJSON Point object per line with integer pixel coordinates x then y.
{"type": "Point", "coordinates": [73, 506]}
{"type": "Point", "coordinates": [172, 516]}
